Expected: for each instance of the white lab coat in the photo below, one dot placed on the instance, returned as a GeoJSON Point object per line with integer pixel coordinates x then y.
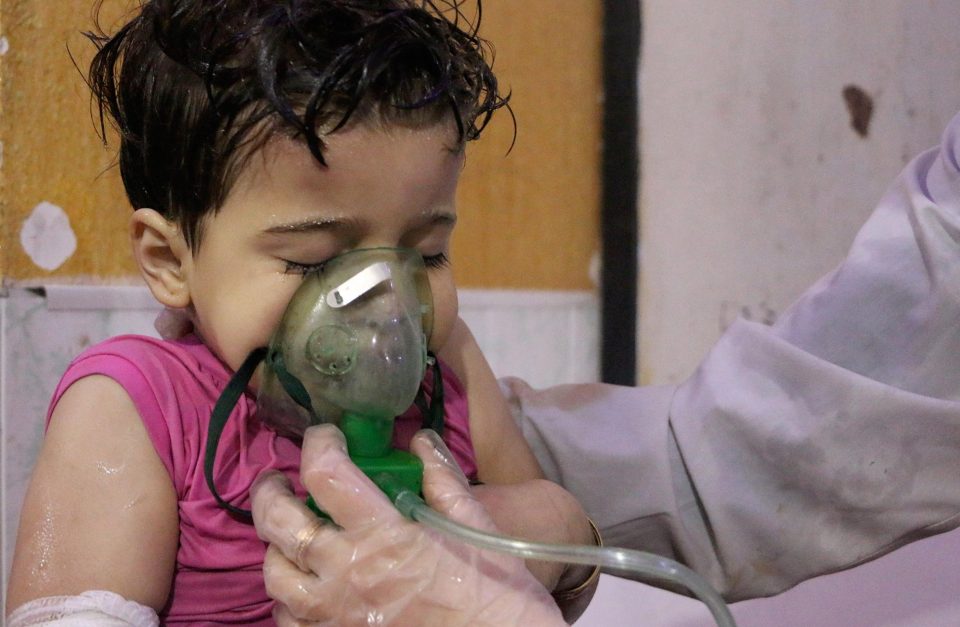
{"type": "Point", "coordinates": [804, 448]}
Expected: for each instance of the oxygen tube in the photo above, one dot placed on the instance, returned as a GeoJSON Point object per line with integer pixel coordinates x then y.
{"type": "Point", "coordinates": [351, 349]}
{"type": "Point", "coordinates": [653, 567]}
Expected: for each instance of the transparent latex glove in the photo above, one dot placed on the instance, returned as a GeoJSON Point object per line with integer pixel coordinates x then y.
{"type": "Point", "coordinates": [379, 568]}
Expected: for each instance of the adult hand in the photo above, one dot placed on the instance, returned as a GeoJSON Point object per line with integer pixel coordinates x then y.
{"type": "Point", "coordinates": [377, 567]}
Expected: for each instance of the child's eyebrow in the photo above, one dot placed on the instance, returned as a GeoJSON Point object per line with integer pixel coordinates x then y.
{"type": "Point", "coordinates": [312, 225]}
{"type": "Point", "coordinates": [442, 218]}
{"type": "Point", "coordinates": [308, 226]}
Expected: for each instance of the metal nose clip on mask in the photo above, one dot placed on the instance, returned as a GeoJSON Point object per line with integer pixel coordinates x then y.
{"type": "Point", "coordinates": [351, 350]}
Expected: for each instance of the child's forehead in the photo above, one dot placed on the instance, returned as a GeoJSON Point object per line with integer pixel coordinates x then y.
{"type": "Point", "coordinates": [356, 160]}
{"type": "Point", "coordinates": [441, 135]}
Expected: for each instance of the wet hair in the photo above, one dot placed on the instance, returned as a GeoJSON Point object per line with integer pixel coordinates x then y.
{"type": "Point", "coordinates": [194, 87]}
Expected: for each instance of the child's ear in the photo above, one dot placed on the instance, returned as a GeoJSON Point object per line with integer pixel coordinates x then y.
{"type": "Point", "coordinates": [163, 255]}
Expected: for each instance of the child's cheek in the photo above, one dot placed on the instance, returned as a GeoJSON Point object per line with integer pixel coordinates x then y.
{"type": "Point", "coordinates": [272, 316]}
{"type": "Point", "coordinates": [445, 308]}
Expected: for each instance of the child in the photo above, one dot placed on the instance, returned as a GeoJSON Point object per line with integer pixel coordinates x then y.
{"type": "Point", "coordinates": [258, 140]}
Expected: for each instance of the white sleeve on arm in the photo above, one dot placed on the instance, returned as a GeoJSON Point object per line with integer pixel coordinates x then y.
{"type": "Point", "coordinates": [799, 449]}
{"type": "Point", "coordinates": [94, 608]}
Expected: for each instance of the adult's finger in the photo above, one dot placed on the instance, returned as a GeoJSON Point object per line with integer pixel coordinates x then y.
{"type": "Point", "coordinates": [283, 520]}
{"type": "Point", "coordinates": [340, 488]}
{"type": "Point", "coordinates": [433, 452]}
{"type": "Point", "coordinates": [305, 595]}
{"type": "Point", "coordinates": [445, 487]}
{"type": "Point", "coordinates": [283, 617]}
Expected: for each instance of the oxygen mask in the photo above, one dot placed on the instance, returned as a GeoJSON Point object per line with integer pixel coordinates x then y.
{"type": "Point", "coordinates": [352, 343]}
{"type": "Point", "coordinates": [351, 350]}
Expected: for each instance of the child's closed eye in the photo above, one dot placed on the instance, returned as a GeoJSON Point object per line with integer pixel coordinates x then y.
{"type": "Point", "coordinates": [295, 267]}
{"type": "Point", "coordinates": [436, 261]}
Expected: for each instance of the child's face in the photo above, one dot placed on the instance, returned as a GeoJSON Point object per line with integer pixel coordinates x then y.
{"type": "Point", "coordinates": [285, 214]}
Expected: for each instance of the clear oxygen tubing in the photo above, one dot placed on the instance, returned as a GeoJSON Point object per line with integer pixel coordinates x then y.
{"type": "Point", "coordinates": [646, 564]}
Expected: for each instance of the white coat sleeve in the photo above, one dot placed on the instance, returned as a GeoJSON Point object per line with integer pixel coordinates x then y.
{"type": "Point", "coordinates": [799, 449]}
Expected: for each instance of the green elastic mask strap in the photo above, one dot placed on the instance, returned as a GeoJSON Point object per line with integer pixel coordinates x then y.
{"type": "Point", "coordinates": [218, 420]}
{"type": "Point", "coordinates": [433, 414]}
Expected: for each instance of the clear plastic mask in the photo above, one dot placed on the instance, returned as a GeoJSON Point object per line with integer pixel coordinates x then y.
{"type": "Point", "coordinates": [352, 340]}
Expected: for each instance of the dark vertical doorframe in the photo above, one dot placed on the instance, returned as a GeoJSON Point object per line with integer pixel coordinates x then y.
{"type": "Point", "coordinates": [619, 182]}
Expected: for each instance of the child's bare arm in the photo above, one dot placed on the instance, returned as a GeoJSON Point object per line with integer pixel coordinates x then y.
{"type": "Point", "coordinates": [502, 454]}
{"type": "Point", "coordinates": [101, 511]}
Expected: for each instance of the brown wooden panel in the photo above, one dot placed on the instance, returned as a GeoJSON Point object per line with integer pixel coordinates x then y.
{"type": "Point", "coordinates": [51, 152]}
{"type": "Point", "coordinates": [528, 219]}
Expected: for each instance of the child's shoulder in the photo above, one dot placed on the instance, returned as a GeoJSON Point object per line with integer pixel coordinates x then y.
{"type": "Point", "coordinates": [153, 372]}
{"type": "Point", "coordinates": [152, 356]}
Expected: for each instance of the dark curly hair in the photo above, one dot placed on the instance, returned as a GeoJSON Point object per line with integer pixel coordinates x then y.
{"type": "Point", "coordinates": [196, 86]}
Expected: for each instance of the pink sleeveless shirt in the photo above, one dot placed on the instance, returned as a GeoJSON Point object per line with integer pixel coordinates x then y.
{"type": "Point", "coordinates": [174, 385]}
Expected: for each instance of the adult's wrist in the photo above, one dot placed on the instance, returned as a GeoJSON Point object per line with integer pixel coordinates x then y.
{"type": "Point", "coordinates": [578, 584]}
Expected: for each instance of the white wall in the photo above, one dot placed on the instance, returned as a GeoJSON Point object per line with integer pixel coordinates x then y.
{"type": "Point", "coordinates": [753, 182]}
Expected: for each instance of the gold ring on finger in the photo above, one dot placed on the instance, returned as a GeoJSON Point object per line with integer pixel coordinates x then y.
{"type": "Point", "coordinates": [304, 538]}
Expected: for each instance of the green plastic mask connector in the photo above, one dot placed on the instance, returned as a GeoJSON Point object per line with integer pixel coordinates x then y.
{"type": "Point", "coordinates": [369, 443]}
{"type": "Point", "coordinates": [367, 436]}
